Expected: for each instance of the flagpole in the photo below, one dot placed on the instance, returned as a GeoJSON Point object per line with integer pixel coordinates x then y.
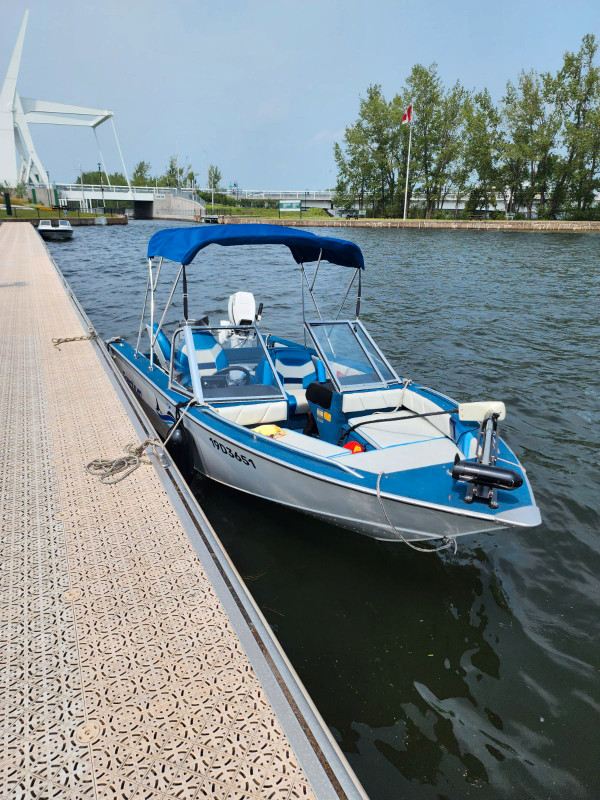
{"type": "Point", "coordinates": [408, 163]}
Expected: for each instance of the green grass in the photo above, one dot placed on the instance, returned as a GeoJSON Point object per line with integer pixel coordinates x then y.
{"type": "Point", "coordinates": [267, 213]}
{"type": "Point", "coordinates": [32, 213]}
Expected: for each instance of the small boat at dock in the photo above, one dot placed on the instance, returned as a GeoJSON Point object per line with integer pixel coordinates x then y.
{"type": "Point", "coordinates": [55, 233]}
{"type": "Point", "coordinates": [322, 424]}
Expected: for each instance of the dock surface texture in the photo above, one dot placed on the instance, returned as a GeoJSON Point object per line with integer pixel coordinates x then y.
{"type": "Point", "coordinates": [122, 674]}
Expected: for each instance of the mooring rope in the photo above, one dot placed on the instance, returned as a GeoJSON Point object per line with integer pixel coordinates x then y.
{"type": "Point", "coordinates": [113, 470]}
{"type": "Point", "coordinates": [92, 335]}
{"type": "Point", "coordinates": [447, 541]}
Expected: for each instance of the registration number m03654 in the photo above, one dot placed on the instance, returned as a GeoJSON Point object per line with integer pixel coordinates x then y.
{"type": "Point", "coordinates": [232, 453]}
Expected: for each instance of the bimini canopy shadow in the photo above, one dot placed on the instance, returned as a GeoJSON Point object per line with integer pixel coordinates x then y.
{"type": "Point", "coordinates": [182, 244]}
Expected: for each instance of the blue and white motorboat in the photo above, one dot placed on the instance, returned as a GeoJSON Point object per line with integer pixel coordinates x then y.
{"type": "Point", "coordinates": [324, 424]}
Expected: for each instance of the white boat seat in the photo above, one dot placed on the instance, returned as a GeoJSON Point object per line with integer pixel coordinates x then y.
{"type": "Point", "coordinates": [300, 395]}
{"type": "Point", "coordinates": [309, 444]}
{"type": "Point", "coordinates": [353, 402]}
{"type": "Point", "coordinates": [254, 413]}
{"type": "Point", "coordinates": [383, 433]}
{"type": "Point", "coordinates": [408, 456]}
{"type": "Point", "coordinates": [421, 405]}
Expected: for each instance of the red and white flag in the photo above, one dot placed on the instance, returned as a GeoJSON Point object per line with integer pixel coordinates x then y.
{"type": "Point", "coordinates": [407, 115]}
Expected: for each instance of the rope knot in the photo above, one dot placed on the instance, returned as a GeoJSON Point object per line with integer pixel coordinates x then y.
{"type": "Point", "coordinates": [113, 470]}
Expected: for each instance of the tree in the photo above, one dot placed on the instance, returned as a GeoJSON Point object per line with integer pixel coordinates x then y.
{"type": "Point", "coordinates": [175, 174]}
{"type": "Point", "coordinates": [540, 146]}
{"type": "Point", "coordinates": [141, 174]}
{"type": "Point", "coordinates": [438, 132]}
{"type": "Point", "coordinates": [94, 178]}
{"type": "Point", "coordinates": [374, 157]}
{"type": "Point", "coordinates": [484, 142]}
{"type": "Point", "coordinates": [214, 178]}
{"type": "Point", "coordinates": [576, 95]}
{"type": "Point", "coordinates": [368, 164]}
{"type": "Point", "coordinates": [532, 124]}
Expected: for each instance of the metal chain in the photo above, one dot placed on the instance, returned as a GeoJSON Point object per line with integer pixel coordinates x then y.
{"type": "Point", "coordinates": [447, 541]}
{"type": "Point", "coordinates": [92, 335]}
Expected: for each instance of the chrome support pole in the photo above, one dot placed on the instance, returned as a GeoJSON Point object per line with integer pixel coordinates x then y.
{"type": "Point", "coordinates": [162, 319]}
{"type": "Point", "coordinates": [152, 337]}
{"type": "Point", "coordinates": [148, 282]}
{"type": "Point", "coordinates": [312, 286]}
{"type": "Point", "coordinates": [312, 297]}
{"type": "Point", "coordinates": [158, 273]}
{"type": "Point", "coordinates": [347, 293]}
{"type": "Point", "coordinates": [303, 311]}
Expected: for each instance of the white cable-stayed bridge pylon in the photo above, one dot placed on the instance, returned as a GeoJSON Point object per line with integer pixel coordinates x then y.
{"type": "Point", "coordinates": [19, 161]}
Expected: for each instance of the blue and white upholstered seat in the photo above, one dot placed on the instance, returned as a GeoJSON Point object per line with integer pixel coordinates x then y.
{"type": "Point", "coordinates": [297, 369]}
{"type": "Point", "coordinates": [162, 348]}
{"type": "Point", "coordinates": [210, 356]}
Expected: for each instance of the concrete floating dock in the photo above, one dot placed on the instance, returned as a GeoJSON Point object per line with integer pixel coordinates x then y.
{"type": "Point", "coordinates": [134, 662]}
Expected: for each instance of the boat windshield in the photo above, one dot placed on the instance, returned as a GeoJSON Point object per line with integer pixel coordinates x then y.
{"type": "Point", "coordinates": [352, 357]}
{"type": "Point", "coordinates": [230, 365]}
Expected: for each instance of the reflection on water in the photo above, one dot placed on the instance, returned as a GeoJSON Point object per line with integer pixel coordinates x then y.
{"type": "Point", "coordinates": [442, 676]}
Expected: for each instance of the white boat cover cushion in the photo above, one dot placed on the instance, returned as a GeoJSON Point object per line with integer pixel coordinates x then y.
{"type": "Point", "coordinates": [254, 413]}
{"type": "Point", "coordinates": [309, 444]}
{"type": "Point", "coordinates": [421, 405]}
{"type": "Point", "coordinates": [368, 401]}
{"type": "Point", "coordinates": [408, 456]}
{"type": "Point", "coordinates": [384, 432]}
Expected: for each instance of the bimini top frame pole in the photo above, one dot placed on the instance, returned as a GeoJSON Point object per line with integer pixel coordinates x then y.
{"type": "Point", "coordinates": [151, 285]}
{"type": "Point", "coordinates": [148, 284]}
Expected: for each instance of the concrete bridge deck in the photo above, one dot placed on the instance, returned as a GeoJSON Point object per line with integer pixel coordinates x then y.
{"type": "Point", "coordinates": [133, 662]}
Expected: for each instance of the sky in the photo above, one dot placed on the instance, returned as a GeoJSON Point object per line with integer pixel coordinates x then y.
{"type": "Point", "coordinates": [263, 88]}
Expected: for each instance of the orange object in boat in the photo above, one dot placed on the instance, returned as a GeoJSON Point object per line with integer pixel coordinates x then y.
{"type": "Point", "coordinates": [354, 447]}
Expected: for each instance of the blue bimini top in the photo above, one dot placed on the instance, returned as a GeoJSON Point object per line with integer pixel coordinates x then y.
{"type": "Point", "coordinates": [182, 244]}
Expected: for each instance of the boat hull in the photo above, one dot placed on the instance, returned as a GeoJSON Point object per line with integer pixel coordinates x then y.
{"type": "Point", "coordinates": [222, 454]}
{"type": "Point", "coordinates": [55, 235]}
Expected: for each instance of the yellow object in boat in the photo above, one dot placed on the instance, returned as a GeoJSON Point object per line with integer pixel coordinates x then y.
{"type": "Point", "coordinates": [272, 431]}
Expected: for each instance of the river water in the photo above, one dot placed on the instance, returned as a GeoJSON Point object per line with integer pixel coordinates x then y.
{"type": "Point", "coordinates": [441, 676]}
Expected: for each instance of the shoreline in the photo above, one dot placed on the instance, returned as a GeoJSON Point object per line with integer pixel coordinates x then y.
{"type": "Point", "coordinates": [539, 226]}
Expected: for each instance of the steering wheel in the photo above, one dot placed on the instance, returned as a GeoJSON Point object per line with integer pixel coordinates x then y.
{"type": "Point", "coordinates": [246, 378]}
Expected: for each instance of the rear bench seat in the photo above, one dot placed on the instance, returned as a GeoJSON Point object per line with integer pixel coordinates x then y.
{"type": "Point", "coordinates": [356, 402]}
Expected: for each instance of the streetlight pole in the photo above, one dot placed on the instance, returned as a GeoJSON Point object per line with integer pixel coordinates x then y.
{"type": "Point", "coordinates": [83, 206]}
{"type": "Point", "coordinates": [101, 185]}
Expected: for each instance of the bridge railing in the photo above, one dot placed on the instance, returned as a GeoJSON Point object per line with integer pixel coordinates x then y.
{"type": "Point", "coordinates": [258, 194]}
{"type": "Point", "coordinates": [97, 188]}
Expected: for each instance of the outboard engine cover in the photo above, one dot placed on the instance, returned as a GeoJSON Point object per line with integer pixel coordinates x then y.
{"type": "Point", "coordinates": [241, 308]}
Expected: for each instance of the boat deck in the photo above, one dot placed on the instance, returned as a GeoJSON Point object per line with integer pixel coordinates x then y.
{"type": "Point", "coordinates": [133, 663]}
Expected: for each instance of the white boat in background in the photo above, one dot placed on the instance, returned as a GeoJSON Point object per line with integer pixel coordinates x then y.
{"type": "Point", "coordinates": [55, 233]}
{"type": "Point", "coordinates": [324, 425]}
